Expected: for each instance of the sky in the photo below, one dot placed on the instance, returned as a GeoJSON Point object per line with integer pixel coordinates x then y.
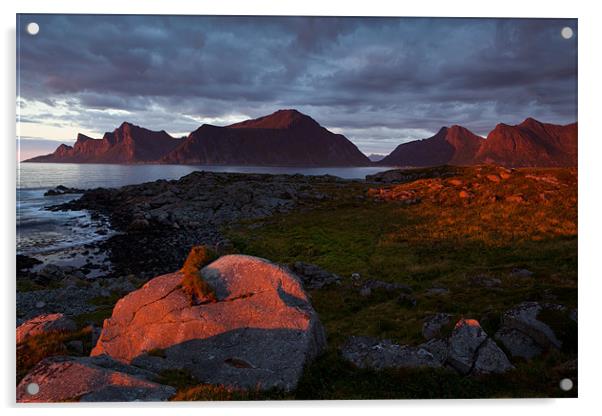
{"type": "Point", "coordinates": [378, 81]}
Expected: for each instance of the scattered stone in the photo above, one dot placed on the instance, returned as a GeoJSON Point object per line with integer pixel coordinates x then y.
{"type": "Point", "coordinates": [62, 379]}
{"type": "Point", "coordinates": [517, 343]}
{"type": "Point", "coordinates": [355, 277]}
{"type": "Point", "coordinates": [455, 182]}
{"type": "Point", "coordinates": [378, 354]}
{"type": "Point", "coordinates": [493, 178]}
{"type": "Point", "coordinates": [485, 281]}
{"type": "Point", "coordinates": [314, 277]}
{"type": "Point", "coordinates": [464, 194]}
{"type": "Point", "coordinates": [40, 304]}
{"type": "Point", "coordinates": [437, 291]}
{"type": "Point", "coordinates": [386, 286]}
{"type": "Point", "coordinates": [44, 324]}
{"type": "Point", "coordinates": [433, 324]}
{"type": "Point", "coordinates": [523, 273]}
{"type": "Point", "coordinates": [261, 316]}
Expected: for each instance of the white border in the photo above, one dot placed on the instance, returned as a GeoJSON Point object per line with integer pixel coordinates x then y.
{"type": "Point", "coordinates": [590, 151]}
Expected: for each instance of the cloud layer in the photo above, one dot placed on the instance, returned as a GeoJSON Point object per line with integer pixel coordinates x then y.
{"type": "Point", "coordinates": [379, 81]}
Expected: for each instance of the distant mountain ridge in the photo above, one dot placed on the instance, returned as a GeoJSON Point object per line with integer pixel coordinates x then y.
{"type": "Point", "coordinates": [126, 144]}
{"type": "Point", "coordinates": [528, 144]}
{"type": "Point", "coordinates": [284, 138]}
{"type": "Point", "coordinates": [290, 138]}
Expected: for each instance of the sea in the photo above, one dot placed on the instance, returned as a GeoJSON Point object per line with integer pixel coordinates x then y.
{"type": "Point", "coordinates": [56, 235]}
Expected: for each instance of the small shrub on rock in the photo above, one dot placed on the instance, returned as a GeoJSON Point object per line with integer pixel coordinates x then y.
{"type": "Point", "coordinates": [192, 281]}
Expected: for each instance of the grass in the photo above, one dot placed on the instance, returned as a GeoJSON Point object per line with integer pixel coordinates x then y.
{"type": "Point", "coordinates": [527, 219]}
{"type": "Point", "coordinates": [192, 281]}
{"type": "Point", "coordinates": [41, 346]}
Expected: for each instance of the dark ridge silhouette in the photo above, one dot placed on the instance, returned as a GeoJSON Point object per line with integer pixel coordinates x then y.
{"type": "Point", "coordinates": [284, 138]}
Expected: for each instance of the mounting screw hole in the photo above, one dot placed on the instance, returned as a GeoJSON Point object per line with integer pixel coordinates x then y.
{"type": "Point", "coordinates": [33, 28]}
{"type": "Point", "coordinates": [33, 389]}
{"type": "Point", "coordinates": [566, 384]}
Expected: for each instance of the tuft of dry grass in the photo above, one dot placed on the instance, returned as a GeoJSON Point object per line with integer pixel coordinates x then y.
{"type": "Point", "coordinates": [192, 281]}
{"type": "Point", "coordinates": [34, 349]}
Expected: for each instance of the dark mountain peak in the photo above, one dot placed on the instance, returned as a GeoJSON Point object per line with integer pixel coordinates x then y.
{"type": "Point", "coordinates": [82, 138]}
{"type": "Point", "coordinates": [281, 119]}
{"type": "Point", "coordinates": [530, 122]}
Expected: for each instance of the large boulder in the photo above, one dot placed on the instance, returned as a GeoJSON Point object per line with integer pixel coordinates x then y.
{"type": "Point", "coordinates": [259, 332]}
{"type": "Point", "coordinates": [60, 379]}
{"type": "Point", "coordinates": [378, 354]}
{"type": "Point", "coordinates": [517, 343]}
{"type": "Point", "coordinates": [471, 350]}
{"type": "Point", "coordinates": [44, 324]}
{"type": "Point", "coordinates": [526, 317]}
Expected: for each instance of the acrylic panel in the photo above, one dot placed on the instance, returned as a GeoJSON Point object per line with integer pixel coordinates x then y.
{"type": "Point", "coordinates": [289, 207]}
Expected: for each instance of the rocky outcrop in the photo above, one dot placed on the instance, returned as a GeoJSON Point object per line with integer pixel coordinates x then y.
{"type": "Point", "coordinates": [89, 379]}
{"type": "Point", "coordinates": [314, 277]}
{"type": "Point", "coordinates": [259, 333]}
{"type": "Point", "coordinates": [44, 324]}
{"type": "Point", "coordinates": [378, 354]}
{"type": "Point", "coordinates": [126, 144]}
{"type": "Point", "coordinates": [468, 350]}
{"type": "Point", "coordinates": [471, 350]}
{"type": "Point", "coordinates": [284, 138]}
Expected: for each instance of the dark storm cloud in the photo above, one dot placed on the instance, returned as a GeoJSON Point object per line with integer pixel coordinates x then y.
{"type": "Point", "coordinates": [377, 80]}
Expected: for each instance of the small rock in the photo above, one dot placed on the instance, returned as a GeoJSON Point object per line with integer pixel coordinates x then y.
{"type": "Point", "coordinates": [464, 194]}
{"type": "Point", "coordinates": [40, 304]}
{"type": "Point", "coordinates": [355, 276]}
{"type": "Point", "coordinates": [433, 324]}
{"type": "Point", "coordinates": [486, 281]}
{"type": "Point", "coordinates": [521, 273]}
{"type": "Point", "coordinates": [455, 182]}
{"type": "Point", "coordinates": [493, 178]}
{"type": "Point", "coordinates": [139, 224]}
{"type": "Point", "coordinates": [314, 277]}
{"type": "Point", "coordinates": [437, 291]}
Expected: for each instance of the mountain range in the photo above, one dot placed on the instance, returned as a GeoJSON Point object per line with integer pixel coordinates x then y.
{"type": "Point", "coordinates": [290, 138]}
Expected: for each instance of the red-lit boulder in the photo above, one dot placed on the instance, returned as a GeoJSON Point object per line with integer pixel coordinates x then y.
{"type": "Point", "coordinates": [96, 379]}
{"type": "Point", "coordinates": [44, 324]}
{"type": "Point", "coordinates": [259, 333]}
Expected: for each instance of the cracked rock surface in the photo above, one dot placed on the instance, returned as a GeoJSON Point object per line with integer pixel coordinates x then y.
{"type": "Point", "coordinates": [259, 333]}
{"type": "Point", "coordinates": [61, 379]}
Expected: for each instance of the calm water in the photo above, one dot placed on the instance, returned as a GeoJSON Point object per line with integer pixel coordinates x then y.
{"type": "Point", "coordinates": [49, 175]}
{"type": "Point", "coordinates": [41, 232]}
